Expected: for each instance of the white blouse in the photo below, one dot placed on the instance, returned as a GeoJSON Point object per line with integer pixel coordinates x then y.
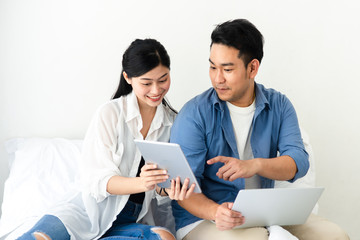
{"type": "Point", "coordinates": [109, 150]}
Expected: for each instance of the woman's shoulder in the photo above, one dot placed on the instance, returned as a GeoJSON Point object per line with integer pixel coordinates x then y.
{"type": "Point", "coordinates": [110, 109]}
{"type": "Point", "coordinates": [171, 113]}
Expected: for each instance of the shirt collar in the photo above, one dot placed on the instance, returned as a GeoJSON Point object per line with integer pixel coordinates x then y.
{"type": "Point", "coordinates": [161, 118]}
{"type": "Point", "coordinates": [261, 99]}
{"type": "Point", "coordinates": [133, 112]}
{"type": "Point", "coordinates": [216, 101]}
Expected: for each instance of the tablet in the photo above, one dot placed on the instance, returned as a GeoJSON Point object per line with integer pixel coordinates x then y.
{"type": "Point", "coordinates": [168, 156]}
{"type": "Point", "coordinates": [276, 206]}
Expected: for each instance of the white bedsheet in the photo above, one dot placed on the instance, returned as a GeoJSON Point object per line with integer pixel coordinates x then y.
{"type": "Point", "coordinates": [41, 172]}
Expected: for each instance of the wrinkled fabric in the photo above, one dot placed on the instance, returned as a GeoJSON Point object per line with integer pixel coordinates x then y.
{"type": "Point", "coordinates": [109, 150]}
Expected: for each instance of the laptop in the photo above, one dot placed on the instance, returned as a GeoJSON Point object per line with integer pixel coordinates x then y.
{"type": "Point", "coordinates": [168, 156]}
{"type": "Point", "coordinates": [276, 206]}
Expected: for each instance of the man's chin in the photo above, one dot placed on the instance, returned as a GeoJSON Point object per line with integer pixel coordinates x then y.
{"type": "Point", "coordinates": [222, 97]}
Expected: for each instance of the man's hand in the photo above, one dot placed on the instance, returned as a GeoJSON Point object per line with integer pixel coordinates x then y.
{"type": "Point", "coordinates": [226, 218]}
{"type": "Point", "coordinates": [234, 168]}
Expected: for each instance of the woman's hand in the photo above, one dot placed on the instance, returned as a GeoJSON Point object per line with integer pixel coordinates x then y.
{"type": "Point", "coordinates": [178, 192]}
{"type": "Point", "coordinates": [150, 175]}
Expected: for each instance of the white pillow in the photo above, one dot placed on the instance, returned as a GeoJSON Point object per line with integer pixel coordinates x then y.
{"type": "Point", "coordinates": [42, 171]}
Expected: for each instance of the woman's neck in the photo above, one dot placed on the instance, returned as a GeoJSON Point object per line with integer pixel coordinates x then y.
{"type": "Point", "coordinates": [147, 115]}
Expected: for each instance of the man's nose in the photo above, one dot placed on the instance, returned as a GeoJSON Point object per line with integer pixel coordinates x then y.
{"type": "Point", "coordinates": [219, 77]}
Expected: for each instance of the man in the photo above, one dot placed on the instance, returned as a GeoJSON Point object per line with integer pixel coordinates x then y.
{"type": "Point", "coordinates": [231, 135]}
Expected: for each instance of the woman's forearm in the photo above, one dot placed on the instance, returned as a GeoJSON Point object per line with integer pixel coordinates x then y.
{"type": "Point", "coordinates": [118, 185]}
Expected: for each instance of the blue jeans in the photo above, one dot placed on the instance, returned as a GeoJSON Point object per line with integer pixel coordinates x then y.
{"type": "Point", "coordinates": [51, 226]}
{"type": "Point", "coordinates": [124, 227]}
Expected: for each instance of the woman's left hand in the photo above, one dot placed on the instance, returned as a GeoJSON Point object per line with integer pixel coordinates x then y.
{"type": "Point", "coordinates": [178, 192]}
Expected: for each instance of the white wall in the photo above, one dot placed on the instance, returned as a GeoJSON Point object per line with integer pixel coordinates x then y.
{"type": "Point", "coordinates": [59, 60]}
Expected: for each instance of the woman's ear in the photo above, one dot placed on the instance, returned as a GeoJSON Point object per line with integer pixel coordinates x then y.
{"type": "Point", "coordinates": [253, 68]}
{"type": "Point", "coordinates": [128, 80]}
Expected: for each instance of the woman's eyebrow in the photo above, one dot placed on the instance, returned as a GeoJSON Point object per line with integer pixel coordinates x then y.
{"type": "Point", "coordinates": [152, 79]}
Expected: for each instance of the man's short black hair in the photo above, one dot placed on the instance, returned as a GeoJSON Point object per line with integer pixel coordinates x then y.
{"type": "Point", "coordinates": [242, 35]}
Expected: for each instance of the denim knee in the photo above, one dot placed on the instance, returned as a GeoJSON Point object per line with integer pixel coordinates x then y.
{"type": "Point", "coordinates": [131, 231]}
{"type": "Point", "coordinates": [49, 225]}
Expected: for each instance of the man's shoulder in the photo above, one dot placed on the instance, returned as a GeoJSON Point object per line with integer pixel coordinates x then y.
{"type": "Point", "coordinates": [268, 91]}
{"type": "Point", "coordinates": [270, 95]}
{"type": "Point", "coordinates": [201, 101]}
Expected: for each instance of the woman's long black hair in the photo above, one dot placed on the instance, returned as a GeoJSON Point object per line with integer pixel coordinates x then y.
{"type": "Point", "coordinates": [139, 58]}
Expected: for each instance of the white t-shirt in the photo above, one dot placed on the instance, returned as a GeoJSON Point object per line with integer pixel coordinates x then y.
{"type": "Point", "coordinates": [242, 118]}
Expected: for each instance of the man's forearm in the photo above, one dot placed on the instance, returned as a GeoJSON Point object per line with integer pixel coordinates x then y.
{"type": "Point", "coordinates": [200, 206]}
{"type": "Point", "coordinates": [279, 168]}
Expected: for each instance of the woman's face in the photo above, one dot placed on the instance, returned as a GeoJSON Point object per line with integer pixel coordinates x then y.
{"type": "Point", "coordinates": [151, 87]}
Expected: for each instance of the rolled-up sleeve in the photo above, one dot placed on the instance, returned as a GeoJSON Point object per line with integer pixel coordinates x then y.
{"type": "Point", "coordinates": [290, 141]}
{"type": "Point", "coordinates": [98, 158]}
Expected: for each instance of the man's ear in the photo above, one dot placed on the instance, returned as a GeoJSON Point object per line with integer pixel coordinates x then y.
{"type": "Point", "coordinates": [253, 68]}
{"type": "Point", "coordinates": [128, 80]}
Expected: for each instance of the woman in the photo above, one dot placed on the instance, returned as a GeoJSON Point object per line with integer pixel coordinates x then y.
{"type": "Point", "coordinates": [118, 185]}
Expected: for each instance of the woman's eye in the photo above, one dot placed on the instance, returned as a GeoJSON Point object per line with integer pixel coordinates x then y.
{"type": "Point", "coordinates": [164, 80]}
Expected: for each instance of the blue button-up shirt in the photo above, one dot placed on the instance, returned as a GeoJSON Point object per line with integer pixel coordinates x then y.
{"type": "Point", "coordinates": [204, 130]}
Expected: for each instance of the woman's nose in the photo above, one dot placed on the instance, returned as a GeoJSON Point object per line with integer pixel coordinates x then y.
{"type": "Point", "coordinates": [155, 88]}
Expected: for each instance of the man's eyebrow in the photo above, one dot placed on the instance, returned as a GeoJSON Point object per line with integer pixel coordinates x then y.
{"type": "Point", "coordinates": [152, 79]}
{"type": "Point", "coordinates": [223, 64]}
{"type": "Point", "coordinates": [227, 64]}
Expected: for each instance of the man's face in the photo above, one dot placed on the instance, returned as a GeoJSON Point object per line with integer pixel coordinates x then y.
{"type": "Point", "coordinates": [230, 78]}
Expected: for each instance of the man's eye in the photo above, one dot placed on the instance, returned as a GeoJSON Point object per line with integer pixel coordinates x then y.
{"type": "Point", "coordinates": [212, 68]}
{"type": "Point", "coordinates": [228, 70]}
